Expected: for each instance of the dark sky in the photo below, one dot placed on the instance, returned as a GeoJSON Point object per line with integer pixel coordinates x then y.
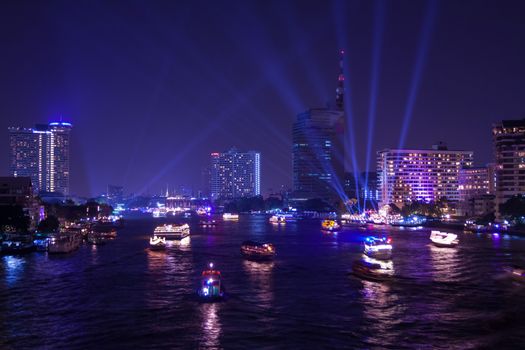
{"type": "Point", "coordinates": [152, 87]}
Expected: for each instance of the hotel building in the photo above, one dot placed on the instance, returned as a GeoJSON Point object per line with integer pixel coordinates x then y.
{"type": "Point", "coordinates": [235, 174]}
{"type": "Point", "coordinates": [420, 174]}
{"type": "Point", "coordinates": [509, 148]}
{"type": "Point", "coordinates": [42, 154]}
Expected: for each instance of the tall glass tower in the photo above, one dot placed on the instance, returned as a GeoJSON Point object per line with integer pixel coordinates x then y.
{"type": "Point", "coordinates": [42, 153]}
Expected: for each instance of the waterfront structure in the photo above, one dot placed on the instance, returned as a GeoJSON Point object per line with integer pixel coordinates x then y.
{"type": "Point", "coordinates": [318, 149]}
{"type": "Point", "coordinates": [235, 174]}
{"type": "Point", "coordinates": [42, 154]}
{"type": "Point", "coordinates": [420, 174]}
{"type": "Point", "coordinates": [15, 191]}
{"type": "Point", "coordinates": [509, 150]}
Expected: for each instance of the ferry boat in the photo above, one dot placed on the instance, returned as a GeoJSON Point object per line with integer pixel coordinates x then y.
{"type": "Point", "coordinates": [207, 223]}
{"type": "Point", "coordinates": [257, 251]}
{"type": "Point", "coordinates": [372, 270]}
{"type": "Point", "coordinates": [378, 248]}
{"type": "Point", "coordinates": [230, 216]}
{"type": "Point", "coordinates": [16, 244]}
{"type": "Point", "coordinates": [330, 226]}
{"type": "Point", "coordinates": [444, 239]}
{"type": "Point", "coordinates": [41, 241]}
{"type": "Point", "coordinates": [172, 231]}
{"type": "Point", "coordinates": [157, 243]}
{"type": "Point", "coordinates": [64, 243]}
{"type": "Point", "coordinates": [96, 238]}
{"type": "Point", "coordinates": [211, 288]}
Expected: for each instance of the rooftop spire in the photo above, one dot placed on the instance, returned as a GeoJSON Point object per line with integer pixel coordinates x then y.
{"type": "Point", "coordinates": [340, 91]}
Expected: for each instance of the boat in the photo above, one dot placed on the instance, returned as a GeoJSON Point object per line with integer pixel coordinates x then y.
{"type": "Point", "coordinates": [13, 244]}
{"type": "Point", "coordinates": [157, 243]}
{"type": "Point", "coordinates": [106, 229]}
{"type": "Point", "coordinates": [96, 238]}
{"type": "Point", "coordinates": [207, 223]}
{"type": "Point", "coordinates": [372, 270]}
{"type": "Point", "coordinates": [330, 226]}
{"type": "Point", "coordinates": [172, 231]}
{"type": "Point", "coordinates": [211, 288]}
{"type": "Point", "coordinates": [230, 216]}
{"type": "Point", "coordinates": [41, 241]}
{"type": "Point", "coordinates": [64, 243]}
{"type": "Point", "coordinates": [257, 251]}
{"type": "Point", "coordinates": [378, 248]}
{"type": "Point", "coordinates": [282, 218]}
{"type": "Point", "coordinates": [516, 272]}
{"type": "Point", "coordinates": [444, 239]}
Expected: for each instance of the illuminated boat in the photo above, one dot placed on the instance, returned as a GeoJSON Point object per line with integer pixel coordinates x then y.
{"type": "Point", "coordinates": [330, 226]}
{"type": "Point", "coordinates": [207, 223]}
{"type": "Point", "coordinates": [17, 244]}
{"type": "Point", "coordinates": [378, 248]}
{"type": "Point", "coordinates": [64, 243]}
{"type": "Point", "coordinates": [516, 272]}
{"type": "Point", "coordinates": [41, 241]}
{"type": "Point", "coordinates": [157, 243]}
{"type": "Point", "coordinates": [282, 218]}
{"type": "Point", "coordinates": [444, 239]}
{"type": "Point", "coordinates": [373, 270]}
{"type": "Point", "coordinates": [211, 288]}
{"type": "Point", "coordinates": [172, 231]}
{"type": "Point", "coordinates": [230, 217]}
{"type": "Point", "coordinates": [257, 251]}
{"type": "Point", "coordinates": [106, 229]}
{"type": "Point", "coordinates": [95, 238]}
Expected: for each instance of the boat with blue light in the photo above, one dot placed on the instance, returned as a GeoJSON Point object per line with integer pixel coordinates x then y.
{"type": "Point", "coordinates": [378, 247]}
{"type": "Point", "coordinates": [13, 244]}
{"type": "Point", "coordinates": [211, 288]}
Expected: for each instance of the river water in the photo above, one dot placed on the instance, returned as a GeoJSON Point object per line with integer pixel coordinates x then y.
{"type": "Point", "coordinates": [121, 295]}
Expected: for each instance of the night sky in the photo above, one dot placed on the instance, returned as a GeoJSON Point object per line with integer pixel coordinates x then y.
{"type": "Point", "coordinates": [152, 87]}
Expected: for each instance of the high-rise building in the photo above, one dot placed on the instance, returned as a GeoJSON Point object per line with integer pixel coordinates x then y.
{"type": "Point", "coordinates": [318, 149]}
{"type": "Point", "coordinates": [42, 154]}
{"type": "Point", "coordinates": [235, 174]}
{"type": "Point", "coordinates": [509, 151]}
{"type": "Point", "coordinates": [473, 182]}
{"type": "Point", "coordinates": [420, 174]}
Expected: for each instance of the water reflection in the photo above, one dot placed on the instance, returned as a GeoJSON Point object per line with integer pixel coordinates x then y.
{"type": "Point", "coordinates": [382, 312]}
{"type": "Point", "coordinates": [260, 276]}
{"type": "Point", "coordinates": [14, 266]}
{"type": "Point", "coordinates": [445, 263]}
{"type": "Point", "coordinates": [210, 325]}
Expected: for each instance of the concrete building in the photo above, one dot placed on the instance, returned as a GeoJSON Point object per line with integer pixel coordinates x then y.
{"type": "Point", "coordinates": [235, 174]}
{"type": "Point", "coordinates": [509, 149]}
{"type": "Point", "coordinates": [42, 154]}
{"type": "Point", "coordinates": [420, 174]}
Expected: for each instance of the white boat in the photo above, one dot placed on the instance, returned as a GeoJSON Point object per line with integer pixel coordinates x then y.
{"type": "Point", "coordinates": [444, 239]}
{"type": "Point", "coordinates": [378, 248]}
{"type": "Point", "coordinates": [230, 216]}
{"type": "Point", "coordinates": [282, 218]}
{"type": "Point", "coordinates": [64, 243]}
{"type": "Point", "coordinates": [172, 231]}
{"type": "Point", "coordinates": [157, 243]}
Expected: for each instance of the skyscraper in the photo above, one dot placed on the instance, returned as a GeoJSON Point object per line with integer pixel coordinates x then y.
{"type": "Point", "coordinates": [509, 150]}
{"type": "Point", "coordinates": [42, 154]}
{"type": "Point", "coordinates": [235, 174]}
{"type": "Point", "coordinates": [318, 149]}
{"type": "Point", "coordinates": [420, 174]}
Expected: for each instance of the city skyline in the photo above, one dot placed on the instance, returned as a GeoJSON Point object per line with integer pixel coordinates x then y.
{"type": "Point", "coordinates": [134, 91]}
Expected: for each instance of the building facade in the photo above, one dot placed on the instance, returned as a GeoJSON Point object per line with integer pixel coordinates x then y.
{"type": "Point", "coordinates": [318, 151]}
{"type": "Point", "coordinates": [235, 174]}
{"type": "Point", "coordinates": [509, 149]}
{"type": "Point", "coordinates": [476, 197]}
{"type": "Point", "coordinates": [420, 174]}
{"type": "Point", "coordinates": [42, 154]}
